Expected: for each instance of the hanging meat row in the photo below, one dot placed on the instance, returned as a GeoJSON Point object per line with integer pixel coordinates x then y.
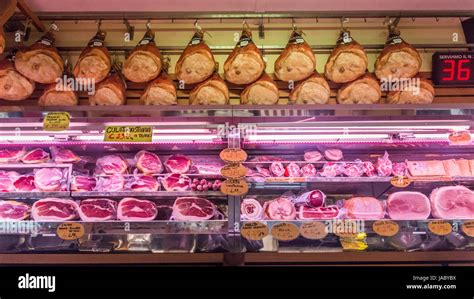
{"type": "Point", "coordinates": [196, 66]}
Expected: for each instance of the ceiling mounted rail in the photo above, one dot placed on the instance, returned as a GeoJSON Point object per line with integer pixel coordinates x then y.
{"type": "Point", "coordinates": [52, 16]}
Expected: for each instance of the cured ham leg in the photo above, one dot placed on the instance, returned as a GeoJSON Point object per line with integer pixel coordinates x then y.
{"type": "Point", "coordinates": [365, 90]}
{"type": "Point", "coordinates": [314, 90]}
{"type": "Point", "coordinates": [144, 62]}
{"type": "Point", "coordinates": [262, 92]}
{"type": "Point", "coordinates": [297, 61]}
{"type": "Point", "coordinates": [245, 64]}
{"type": "Point", "coordinates": [41, 61]}
{"type": "Point", "coordinates": [213, 91]}
{"type": "Point", "coordinates": [13, 85]}
{"type": "Point", "coordinates": [94, 62]}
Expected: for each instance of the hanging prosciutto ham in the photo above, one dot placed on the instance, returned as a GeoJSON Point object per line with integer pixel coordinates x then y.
{"type": "Point", "coordinates": [2, 41]}
{"type": "Point", "coordinates": [160, 91]}
{"type": "Point", "coordinates": [423, 94]}
{"type": "Point", "coordinates": [52, 96]}
{"type": "Point", "coordinates": [365, 90]}
{"type": "Point", "coordinates": [144, 62]}
{"type": "Point", "coordinates": [262, 92]}
{"type": "Point", "coordinates": [196, 63]}
{"type": "Point", "coordinates": [398, 59]}
{"type": "Point", "coordinates": [245, 64]}
{"type": "Point", "coordinates": [297, 61]}
{"type": "Point", "coordinates": [41, 61]}
{"type": "Point", "coordinates": [110, 92]}
{"type": "Point", "coordinates": [59, 94]}
{"type": "Point", "coordinates": [13, 85]}
{"type": "Point", "coordinates": [94, 62]}
{"type": "Point", "coordinates": [213, 91]}
{"type": "Point", "coordinates": [314, 90]}
{"type": "Point", "coordinates": [348, 60]}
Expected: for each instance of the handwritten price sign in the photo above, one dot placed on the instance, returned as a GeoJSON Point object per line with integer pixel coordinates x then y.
{"type": "Point", "coordinates": [254, 231]}
{"type": "Point", "coordinates": [233, 171]}
{"type": "Point", "coordinates": [128, 134]}
{"type": "Point", "coordinates": [70, 231]}
{"type": "Point", "coordinates": [56, 121]}
{"type": "Point", "coordinates": [440, 227]}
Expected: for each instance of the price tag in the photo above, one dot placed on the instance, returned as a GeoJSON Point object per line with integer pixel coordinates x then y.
{"type": "Point", "coordinates": [234, 171]}
{"type": "Point", "coordinates": [233, 155]}
{"type": "Point", "coordinates": [440, 227]}
{"type": "Point", "coordinates": [313, 230]}
{"type": "Point", "coordinates": [460, 138]}
{"type": "Point", "coordinates": [128, 134]}
{"type": "Point", "coordinates": [56, 121]}
{"type": "Point", "coordinates": [234, 187]}
{"type": "Point", "coordinates": [468, 228]}
{"type": "Point", "coordinates": [285, 231]}
{"type": "Point", "coordinates": [254, 231]}
{"type": "Point", "coordinates": [70, 231]}
{"type": "Point", "coordinates": [400, 181]}
{"type": "Point", "coordinates": [385, 228]}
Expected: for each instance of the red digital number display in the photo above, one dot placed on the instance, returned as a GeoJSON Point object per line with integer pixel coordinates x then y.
{"type": "Point", "coordinates": [453, 68]}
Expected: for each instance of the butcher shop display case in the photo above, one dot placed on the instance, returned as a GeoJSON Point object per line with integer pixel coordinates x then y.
{"type": "Point", "coordinates": [254, 138]}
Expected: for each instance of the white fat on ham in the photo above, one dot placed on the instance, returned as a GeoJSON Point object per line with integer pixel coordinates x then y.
{"type": "Point", "coordinates": [408, 205]}
{"type": "Point", "coordinates": [54, 209]}
{"type": "Point", "coordinates": [193, 209]}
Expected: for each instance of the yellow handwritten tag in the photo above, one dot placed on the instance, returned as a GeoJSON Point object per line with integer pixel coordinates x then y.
{"type": "Point", "coordinates": [285, 231]}
{"type": "Point", "coordinates": [460, 138]}
{"type": "Point", "coordinates": [233, 155]}
{"type": "Point", "coordinates": [128, 134]}
{"type": "Point", "coordinates": [468, 228]}
{"type": "Point", "coordinates": [56, 121]}
{"type": "Point", "coordinates": [440, 227]}
{"type": "Point", "coordinates": [234, 187]}
{"type": "Point", "coordinates": [313, 230]}
{"type": "Point", "coordinates": [400, 181]}
{"type": "Point", "coordinates": [385, 228]}
{"type": "Point", "coordinates": [254, 231]}
{"type": "Point", "coordinates": [233, 171]}
{"type": "Point", "coordinates": [70, 231]}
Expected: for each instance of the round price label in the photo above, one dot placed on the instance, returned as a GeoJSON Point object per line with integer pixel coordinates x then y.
{"type": "Point", "coordinates": [234, 171]}
{"type": "Point", "coordinates": [468, 228]}
{"type": "Point", "coordinates": [234, 187]}
{"type": "Point", "coordinates": [385, 228]}
{"type": "Point", "coordinates": [70, 231]}
{"type": "Point", "coordinates": [460, 138]}
{"type": "Point", "coordinates": [233, 155]}
{"type": "Point", "coordinates": [440, 227]}
{"type": "Point", "coordinates": [400, 181]}
{"type": "Point", "coordinates": [313, 230]}
{"type": "Point", "coordinates": [285, 231]}
{"type": "Point", "coordinates": [254, 231]}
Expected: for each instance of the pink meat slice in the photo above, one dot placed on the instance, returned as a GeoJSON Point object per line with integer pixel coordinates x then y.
{"type": "Point", "coordinates": [11, 155]}
{"type": "Point", "coordinates": [452, 202]}
{"type": "Point", "coordinates": [176, 182]}
{"type": "Point", "coordinates": [63, 155]}
{"type": "Point", "coordinates": [367, 208]}
{"type": "Point", "coordinates": [35, 156]}
{"type": "Point", "coordinates": [319, 213]}
{"type": "Point", "coordinates": [333, 154]}
{"type": "Point", "coordinates": [54, 209]}
{"type": "Point", "coordinates": [132, 209]}
{"type": "Point", "coordinates": [408, 205]}
{"type": "Point", "coordinates": [83, 183]}
{"type": "Point", "coordinates": [279, 209]}
{"type": "Point", "coordinates": [111, 183]}
{"type": "Point", "coordinates": [193, 209]}
{"type": "Point", "coordinates": [144, 183]}
{"type": "Point", "coordinates": [98, 209]}
{"type": "Point", "coordinates": [111, 164]}
{"type": "Point", "coordinates": [7, 178]}
{"type": "Point", "coordinates": [148, 163]}
{"type": "Point", "coordinates": [313, 156]}
{"type": "Point", "coordinates": [13, 210]}
{"type": "Point", "coordinates": [251, 209]}
{"type": "Point", "coordinates": [49, 179]}
{"type": "Point", "coordinates": [25, 183]}
{"type": "Point", "coordinates": [178, 164]}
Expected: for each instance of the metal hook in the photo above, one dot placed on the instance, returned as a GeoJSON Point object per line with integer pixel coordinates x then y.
{"type": "Point", "coordinates": [148, 24]}
{"type": "Point", "coordinates": [365, 20]}
{"type": "Point", "coordinates": [293, 24]}
{"type": "Point", "coordinates": [413, 19]}
{"type": "Point", "coordinates": [317, 20]}
{"type": "Point", "coordinates": [437, 19]}
{"type": "Point", "coordinates": [343, 21]}
{"type": "Point", "coordinates": [53, 26]}
{"type": "Point", "coordinates": [99, 24]}
{"type": "Point", "coordinates": [196, 25]}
